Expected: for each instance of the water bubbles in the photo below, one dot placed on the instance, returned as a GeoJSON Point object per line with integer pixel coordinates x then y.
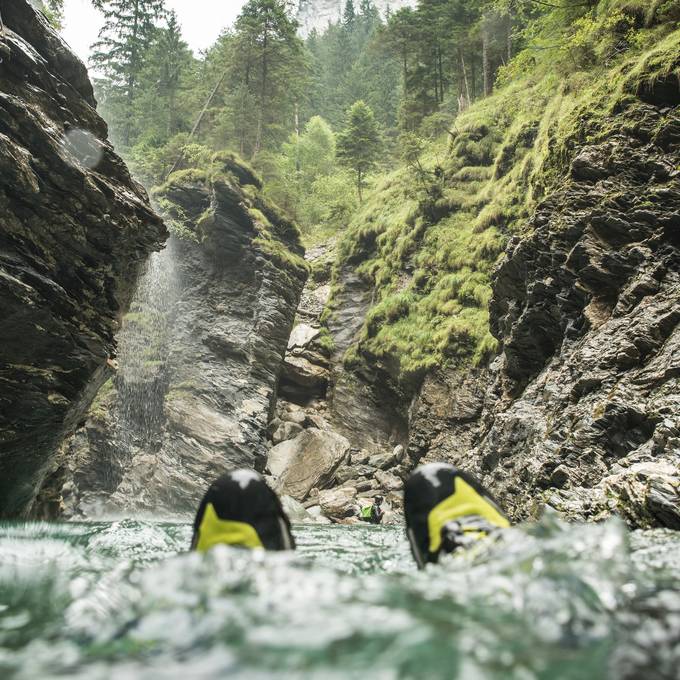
{"type": "Point", "coordinates": [84, 148]}
{"type": "Point", "coordinates": [123, 600]}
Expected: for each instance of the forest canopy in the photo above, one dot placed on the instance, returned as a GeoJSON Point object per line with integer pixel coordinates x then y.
{"type": "Point", "coordinates": [270, 96]}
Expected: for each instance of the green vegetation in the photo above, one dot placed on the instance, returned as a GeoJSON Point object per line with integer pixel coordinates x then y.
{"type": "Point", "coordinates": [275, 234]}
{"type": "Point", "coordinates": [479, 105]}
{"type": "Point", "coordinates": [431, 233]}
{"type": "Point", "coordinates": [52, 9]}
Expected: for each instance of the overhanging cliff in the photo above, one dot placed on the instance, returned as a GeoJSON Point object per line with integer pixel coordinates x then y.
{"type": "Point", "coordinates": [75, 230]}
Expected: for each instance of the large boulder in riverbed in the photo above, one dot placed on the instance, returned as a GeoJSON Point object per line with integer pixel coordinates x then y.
{"type": "Point", "coordinates": [310, 460]}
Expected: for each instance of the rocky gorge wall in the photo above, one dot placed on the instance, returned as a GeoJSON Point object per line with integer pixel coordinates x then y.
{"type": "Point", "coordinates": [578, 407]}
{"type": "Point", "coordinates": [76, 229]}
{"type": "Point", "coordinates": [206, 337]}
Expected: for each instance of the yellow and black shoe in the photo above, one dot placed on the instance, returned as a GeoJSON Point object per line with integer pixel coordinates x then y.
{"type": "Point", "coordinates": [240, 509]}
{"type": "Point", "coordinates": [447, 510]}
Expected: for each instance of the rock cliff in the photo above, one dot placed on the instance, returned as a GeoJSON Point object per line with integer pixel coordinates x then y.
{"type": "Point", "coordinates": [317, 14]}
{"type": "Point", "coordinates": [573, 403]}
{"type": "Point", "coordinates": [205, 343]}
{"type": "Point", "coordinates": [75, 231]}
{"type": "Point", "coordinates": [586, 401]}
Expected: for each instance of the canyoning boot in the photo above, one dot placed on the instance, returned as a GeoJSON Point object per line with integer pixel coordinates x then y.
{"type": "Point", "coordinates": [240, 509]}
{"type": "Point", "coordinates": [447, 510]}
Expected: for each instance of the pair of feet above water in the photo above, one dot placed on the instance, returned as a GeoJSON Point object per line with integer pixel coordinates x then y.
{"type": "Point", "coordinates": [446, 510]}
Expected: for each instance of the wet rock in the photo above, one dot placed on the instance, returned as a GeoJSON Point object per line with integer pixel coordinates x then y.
{"type": "Point", "coordinates": [586, 307]}
{"type": "Point", "coordinates": [76, 230]}
{"type": "Point", "coordinates": [295, 510]}
{"type": "Point", "coordinates": [648, 494]}
{"type": "Point", "coordinates": [308, 461]}
{"type": "Point", "coordinates": [317, 515]}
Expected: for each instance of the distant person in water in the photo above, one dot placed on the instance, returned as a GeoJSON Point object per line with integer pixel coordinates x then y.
{"type": "Point", "coordinates": [240, 509]}
{"type": "Point", "coordinates": [373, 513]}
{"type": "Point", "coordinates": [447, 510]}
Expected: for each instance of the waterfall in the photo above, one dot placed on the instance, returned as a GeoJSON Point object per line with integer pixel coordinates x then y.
{"type": "Point", "coordinates": [142, 378]}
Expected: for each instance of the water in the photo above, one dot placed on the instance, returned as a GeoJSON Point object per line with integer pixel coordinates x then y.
{"type": "Point", "coordinates": [124, 600]}
{"type": "Point", "coordinates": [143, 349]}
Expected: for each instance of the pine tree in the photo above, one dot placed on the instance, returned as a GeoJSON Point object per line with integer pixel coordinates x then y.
{"type": "Point", "coordinates": [120, 55]}
{"type": "Point", "coordinates": [168, 65]}
{"type": "Point", "coordinates": [349, 15]}
{"type": "Point", "coordinates": [359, 145]}
{"type": "Point", "coordinates": [271, 70]}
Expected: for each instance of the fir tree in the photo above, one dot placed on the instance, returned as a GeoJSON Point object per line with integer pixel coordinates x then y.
{"type": "Point", "coordinates": [349, 15]}
{"type": "Point", "coordinates": [270, 73]}
{"type": "Point", "coordinates": [360, 144]}
{"type": "Point", "coordinates": [168, 65]}
{"type": "Point", "coordinates": [120, 55]}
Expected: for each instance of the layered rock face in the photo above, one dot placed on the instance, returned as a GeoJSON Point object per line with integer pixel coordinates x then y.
{"type": "Point", "coordinates": [317, 14]}
{"type": "Point", "coordinates": [201, 400]}
{"type": "Point", "coordinates": [333, 436]}
{"type": "Point", "coordinates": [75, 231]}
{"type": "Point", "coordinates": [583, 409]}
{"type": "Point", "coordinates": [588, 310]}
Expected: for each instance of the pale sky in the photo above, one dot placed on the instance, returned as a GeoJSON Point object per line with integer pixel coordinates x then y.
{"type": "Point", "coordinates": [201, 21]}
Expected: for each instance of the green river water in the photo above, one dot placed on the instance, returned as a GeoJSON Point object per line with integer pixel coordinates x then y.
{"type": "Point", "coordinates": [125, 600]}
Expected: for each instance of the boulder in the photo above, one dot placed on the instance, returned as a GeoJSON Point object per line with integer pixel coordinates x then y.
{"type": "Point", "coordinates": [386, 460]}
{"type": "Point", "coordinates": [388, 481]}
{"type": "Point", "coordinates": [295, 510]}
{"type": "Point", "coordinates": [302, 336]}
{"type": "Point", "coordinates": [317, 421]}
{"type": "Point", "coordinates": [338, 503]}
{"type": "Point", "coordinates": [285, 432]}
{"type": "Point", "coordinates": [303, 373]}
{"type": "Point", "coordinates": [317, 516]}
{"type": "Point", "coordinates": [308, 461]}
{"type": "Point", "coordinates": [296, 416]}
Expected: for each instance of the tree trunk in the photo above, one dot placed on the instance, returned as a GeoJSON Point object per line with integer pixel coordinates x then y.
{"type": "Point", "coordinates": [509, 35]}
{"type": "Point", "coordinates": [441, 74]}
{"type": "Point", "coordinates": [131, 80]}
{"type": "Point", "coordinates": [263, 94]}
{"type": "Point", "coordinates": [473, 72]}
{"type": "Point", "coordinates": [242, 117]}
{"type": "Point", "coordinates": [360, 183]}
{"type": "Point", "coordinates": [199, 120]}
{"type": "Point", "coordinates": [465, 94]}
{"type": "Point", "coordinates": [486, 65]}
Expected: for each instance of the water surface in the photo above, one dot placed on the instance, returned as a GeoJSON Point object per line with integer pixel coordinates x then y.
{"type": "Point", "coordinates": [124, 600]}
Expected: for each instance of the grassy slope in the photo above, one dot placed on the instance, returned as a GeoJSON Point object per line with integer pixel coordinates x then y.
{"type": "Point", "coordinates": [430, 260]}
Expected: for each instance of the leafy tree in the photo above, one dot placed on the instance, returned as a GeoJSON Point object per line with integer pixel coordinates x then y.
{"type": "Point", "coordinates": [130, 27]}
{"type": "Point", "coordinates": [360, 143]}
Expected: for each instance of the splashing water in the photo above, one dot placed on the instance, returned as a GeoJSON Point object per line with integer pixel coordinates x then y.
{"type": "Point", "coordinates": [123, 600]}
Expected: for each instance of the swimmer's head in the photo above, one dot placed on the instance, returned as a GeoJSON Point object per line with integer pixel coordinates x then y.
{"type": "Point", "coordinates": [240, 509]}
{"type": "Point", "coordinates": [446, 509]}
